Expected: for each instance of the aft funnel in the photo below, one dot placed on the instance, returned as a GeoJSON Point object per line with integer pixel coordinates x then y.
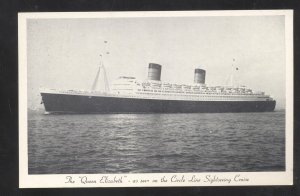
{"type": "Point", "coordinates": [154, 71]}
{"type": "Point", "coordinates": [199, 76]}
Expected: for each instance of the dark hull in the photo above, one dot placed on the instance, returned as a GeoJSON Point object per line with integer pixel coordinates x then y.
{"type": "Point", "coordinates": [62, 103]}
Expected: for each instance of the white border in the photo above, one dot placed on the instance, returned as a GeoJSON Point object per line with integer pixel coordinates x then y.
{"type": "Point", "coordinates": [255, 178]}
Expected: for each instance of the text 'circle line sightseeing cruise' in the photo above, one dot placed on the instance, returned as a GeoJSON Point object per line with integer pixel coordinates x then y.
{"type": "Point", "coordinates": [129, 95]}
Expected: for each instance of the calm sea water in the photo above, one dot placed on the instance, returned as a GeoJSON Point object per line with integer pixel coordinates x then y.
{"type": "Point", "coordinates": [142, 143]}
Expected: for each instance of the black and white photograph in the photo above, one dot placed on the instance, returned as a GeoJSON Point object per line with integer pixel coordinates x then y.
{"type": "Point", "coordinates": [138, 99]}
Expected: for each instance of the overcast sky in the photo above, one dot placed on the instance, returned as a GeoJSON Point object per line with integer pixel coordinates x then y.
{"type": "Point", "coordinates": [64, 53]}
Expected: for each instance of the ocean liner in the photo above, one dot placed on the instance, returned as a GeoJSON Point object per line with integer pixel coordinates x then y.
{"type": "Point", "coordinates": [129, 95]}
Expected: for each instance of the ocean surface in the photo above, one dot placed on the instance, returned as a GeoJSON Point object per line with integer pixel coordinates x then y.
{"type": "Point", "coordinates": [152, 143]}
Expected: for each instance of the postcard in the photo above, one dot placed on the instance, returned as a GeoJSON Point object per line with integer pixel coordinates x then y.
{"type": "Point", "coordinates": [155, 99]}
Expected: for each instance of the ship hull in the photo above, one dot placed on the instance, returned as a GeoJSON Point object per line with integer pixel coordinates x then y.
{"type": "Point", "coordinates": [66, 103]}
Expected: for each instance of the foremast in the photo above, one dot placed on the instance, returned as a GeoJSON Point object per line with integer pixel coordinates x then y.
{"type": "Point", "coordinates": [101, 67]}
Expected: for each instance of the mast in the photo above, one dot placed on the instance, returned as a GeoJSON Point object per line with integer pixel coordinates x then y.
{"type": "Point", "coordinates": [233, 69]}
{"type": "Point", "coordinates": [101, 66]}
{"type": "Point", "coordinates": [105, 77]}
{"type": "Point", "coordinates": [231, 74]}
{"type": "Point", "coordinates": [96, 80]}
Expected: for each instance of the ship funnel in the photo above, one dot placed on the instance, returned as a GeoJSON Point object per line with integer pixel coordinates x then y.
{"type": "Point", "coordinates": [199, 76]}
{"type": "Point", "coordinates": [154, 71]}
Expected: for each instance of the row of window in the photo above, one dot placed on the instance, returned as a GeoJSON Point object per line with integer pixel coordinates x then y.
{"type": "Point", "coordinates": [209, 96]}
{"type": "Point", "coordinates": [191, 92]}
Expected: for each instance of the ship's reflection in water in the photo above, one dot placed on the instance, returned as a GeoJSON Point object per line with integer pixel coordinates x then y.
{"type": "Point", "coordinates": [143, 143]}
